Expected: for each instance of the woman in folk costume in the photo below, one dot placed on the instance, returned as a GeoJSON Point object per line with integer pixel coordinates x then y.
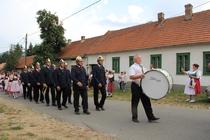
{"type": "Point", "coordinates": [15, 87]}
{"type": "Point", "coordinates": [110, 83]}
{"type": "Point", "coordinates": [9, 86]}
{"type": "Point", "coordinates": [6, 81]}
{"type": "Point", "coordinates": [1, 81]}
{"type": "Point", "coordinates": [193, 86]}
{"type": "Point", "coordinates": [20, 91]}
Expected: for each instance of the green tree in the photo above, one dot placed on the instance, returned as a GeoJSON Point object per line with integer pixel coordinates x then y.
{"type": "Point", "coordinates": [4, 56]}
{"type": "Point", "coordinates": [52, 35]}
{"type": "Point", "coordinates": [29, 51]}
{"type": "Point", "coordinates": [14, 54]}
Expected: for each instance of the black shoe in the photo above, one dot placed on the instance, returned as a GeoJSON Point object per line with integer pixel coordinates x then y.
{"type": "Point", "coordinates": [54, 105]}
{"type": "Point", "coordinates": [47, 105]}
{"type": "Point", "coordinates": [65, 106]}
{"type": "Point", "coordinates": [102, 109]}
{"type": "Point", "coordinates": [86, 112]}
{"type": "Point", "coordinates": [60, 108]}
{"type": "Point", "coordinates": [98, 109]}
{"type": "Point", "coordinates": [42, 102]}
{"type": "Point", "coordinates": [77, 112]}
{"type": "Point", "coordinates": [135, 120]}
{"type": "Point", "coordinates": [154, 119]}
{"type": "Point", "coordinates": [37, 102]}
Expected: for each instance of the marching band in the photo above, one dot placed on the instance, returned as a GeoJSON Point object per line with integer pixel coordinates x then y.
{"type": "Point", "coordinates": [53, 85]}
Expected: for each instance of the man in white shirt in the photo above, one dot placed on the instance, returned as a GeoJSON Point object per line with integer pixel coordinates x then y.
{"type": "Point", "coordinates": [136, 73]}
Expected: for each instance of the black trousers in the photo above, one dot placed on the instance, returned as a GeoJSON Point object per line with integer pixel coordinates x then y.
{"type": "Point", "coordinates": [37, 93]}
{"type": "Point", "coordinates": [96, 90]}
{"type": "Point", "coordinates": [25, 91]}
{"type": "Point", "coordinates": [69, 94]}
{"type": "Point", "coordinates": [138, 94]}
{"type": "Point", "coordinates": [62, 91]}
{"type": "Point", "coordinates": [41, 94]}
{"type": "Point", "coordinates": [83, 93]}
{"type": "Point", "coordinates": [50, 88]}
{"type": "Point", "coordinates": [29, 92]}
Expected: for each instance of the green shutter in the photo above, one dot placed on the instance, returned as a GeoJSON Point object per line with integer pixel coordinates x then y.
{"type": "Point", "coordinates": [182, 61]}
{"type": "Point", "coordinates": [156, 60]}
{"type": "Point", "coordinates": [116, 64]}
{"type": "Point", "coordinates": [131, 61]}
{"type": "Point", "coordinates": [206, 60]}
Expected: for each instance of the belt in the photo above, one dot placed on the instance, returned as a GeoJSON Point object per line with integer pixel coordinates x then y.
{"type": "Point", "coordinates": [135, 83]}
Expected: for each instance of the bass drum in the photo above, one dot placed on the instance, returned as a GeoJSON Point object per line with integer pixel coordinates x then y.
{"type": "Point", "coordinates": [157, 83]}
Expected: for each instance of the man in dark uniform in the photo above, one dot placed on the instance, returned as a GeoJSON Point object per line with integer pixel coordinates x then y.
{"type": "Point", "coordinates": [69, 83]}
{"type": "Point", "coordinates": [48, 82]}
{"type": "Point", "coordinates": [30, 82]}
{"type": "Point", "coordinates": [80, 83]}
{"type": "Point", "coordinates": [37, 83]}
{"type": "Point", "coordinates": [99, 83]}
{"type": "Point", "coordinates": [61, 82]}
{"type": "Point", "coordinates": [24, 81]}
{"type": "Point", "coordinates": [136, 73]}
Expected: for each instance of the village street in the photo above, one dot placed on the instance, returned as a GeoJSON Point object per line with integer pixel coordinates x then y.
{"type": "Point", "coordinates": [175, 123]}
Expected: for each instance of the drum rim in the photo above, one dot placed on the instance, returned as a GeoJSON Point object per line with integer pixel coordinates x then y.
{"type": "Point", "coordinates": [164, 76]}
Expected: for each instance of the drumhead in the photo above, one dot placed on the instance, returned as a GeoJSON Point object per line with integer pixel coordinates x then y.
{"type": "Point", "coordinates": [157, 83]}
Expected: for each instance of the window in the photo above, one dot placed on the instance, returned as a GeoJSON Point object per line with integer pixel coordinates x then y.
{"type": "Point", "coordinates": [116, 64]}
{"type": "Point", "coordinates": [182, 61]}
{"type": "Point", "coordinates": [131, 60]}
{"type": "Point", "coordinates": [156, 60]}
{"type": "Point", "coordinates": [206, 60]}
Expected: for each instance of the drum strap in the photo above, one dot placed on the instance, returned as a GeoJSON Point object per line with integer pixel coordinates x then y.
{"type": "Point", "coordinates": [142, 69]}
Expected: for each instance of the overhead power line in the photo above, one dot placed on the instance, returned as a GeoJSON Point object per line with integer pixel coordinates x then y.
{"type": "Point", "coordinates": [194, 7]}
{"type": "Point", "coordinates": [81, 10]}
{"type": "Point", "coordinates": [201, 4]}
{"type": "Point", "coordinates": [75, 13]}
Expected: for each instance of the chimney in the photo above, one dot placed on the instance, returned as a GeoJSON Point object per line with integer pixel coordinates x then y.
{"type": "Point", "coordinates": [161, 17]}
{"type": "Point", "coordinates": [188, 11]}
{"type": "Point", "coordinates": [82, 39]}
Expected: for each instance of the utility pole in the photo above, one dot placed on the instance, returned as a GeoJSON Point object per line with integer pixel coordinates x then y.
{"type": "Point", "coordinates": [26, 40]}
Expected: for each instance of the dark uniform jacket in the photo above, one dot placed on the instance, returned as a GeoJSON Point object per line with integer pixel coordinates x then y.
{"type": "Point", "coordinates": [78, 74]}
{"type": "Point", "coordinates": [48, 78]}
{"type": "Point", "coordinates": [69, 76]}
{"type": "Point", "coordinates": [30, 78]}
{"type": "Point", "coordinates": [99, 75]}
{"type": "Point", "coordinates": [24, 77]}
{"type": "Point", "coordinates": [37, 77]}
{"type": "Point", "coordinates": [61, 78]}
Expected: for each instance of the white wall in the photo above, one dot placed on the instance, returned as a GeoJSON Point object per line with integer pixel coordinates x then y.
{"type": "Point", "coordinates": [73, 62]}
{"type": "Point", "coordinates": [168, 60]}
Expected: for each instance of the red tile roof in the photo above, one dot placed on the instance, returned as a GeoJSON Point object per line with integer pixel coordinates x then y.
{"type": "Point", "coordinates": [172, 32]}
{"type": "Point", "coordinates": [2, 65]}
{"type": "Point", "coordinates": [21, 61]}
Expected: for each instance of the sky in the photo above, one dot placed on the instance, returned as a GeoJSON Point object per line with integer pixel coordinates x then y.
{"type": "Point", "coordinates": [18, 17]}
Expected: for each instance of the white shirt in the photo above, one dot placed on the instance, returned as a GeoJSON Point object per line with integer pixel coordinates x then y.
{"type": "Point", "coordinates": [197, 73]}
{"type": "Point", "coordinates": [136, 69]}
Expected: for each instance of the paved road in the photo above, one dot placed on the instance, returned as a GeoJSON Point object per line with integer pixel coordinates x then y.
{"type": "Point", "coordinates": [175, 123]}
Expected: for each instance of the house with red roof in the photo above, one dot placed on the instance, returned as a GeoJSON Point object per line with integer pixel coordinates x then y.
{"type": "Point", "coordinates": [170, 44]}
{"type": "Point", "coordinates": [24, 61]}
